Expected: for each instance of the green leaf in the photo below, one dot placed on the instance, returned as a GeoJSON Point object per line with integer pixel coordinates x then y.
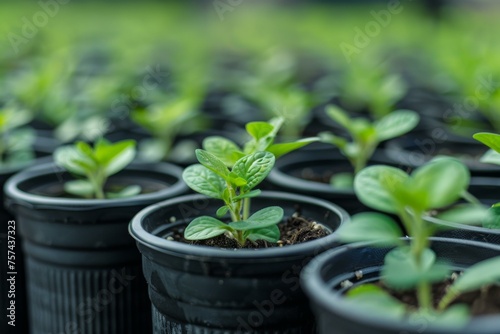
{"type": "Point", "coordinates": [263, 218]}
{"type": "Point", "coordinates": [401, 272]}
{"type": "Point", "coordinates": [492, 219]}
{"type": "Point", "coordinates": [442, 180]}
{"type": "Point", "coordinates": [74, 160]}
{"type": "Point", "coordinates": [236, 180]}
{"type": "Point", "coordinates": [224, 149]}
{"type": "Point", "coordinates": [372, 227]}
{"type": "Point", "coordinates": [259, 130]}
{"type": "Point", "coordinates": [204, 181]}
{"type": "Point", "coordinates": [283, 148]}
{"type": "Point", "coordinates": [254, 168]}
{"type": "Point", "coordinates": [479, 275]}
{"type": "Point", "coordinates": [375, 187]}
{"type": "Point", "coordinates": [221, 212]}
{"type": "Point", "coordinates": [396, 124]}
{"type": "Point", "coordinates": [205, 227]}
{"type": "Point", "coordinates": [81, 188]}
{"type": "Point", "coordinates": [468, 214]}
{"type": "Point", "coordinates": [213, 163]}
{"type": "Point", "coordinates": [374, 299]}
{"type": "Point", "coordinates": [491, 157]}
{"type": "Point", "coordinates": [269, 214]}
{"type": "Point", "coordinates": [115, 157]}
{"type": "Point", "coordinates": [491, 140]}
{"type": "Point", "coordinates": [339, 116]}
{"type": "Point", "coordinates": [270, 234]}
{"type": "Point", "coordinates": [125, 192]}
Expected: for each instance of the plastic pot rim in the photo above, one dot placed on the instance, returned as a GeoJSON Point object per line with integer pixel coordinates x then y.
{"type": "Point", "coordinates": [139, 233]}
{"type": "Point", "coordinates": [38, 202]}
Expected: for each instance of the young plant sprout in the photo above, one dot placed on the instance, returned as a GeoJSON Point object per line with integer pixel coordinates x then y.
{"type": "Point", "coordinates": [94, 166]}
{"type": "Point", "coordinates": [366, 136]}
{"type": "Point", "coordinates": [262, 136]}
{"type": "Point", "coordinates": [231, 174]}
{"type": "Point", "coordinates": [413, 265]}
{"type": "Point", "coordinates": [164, 121]}
{"type": "Point", "coordinates": [16, 142]}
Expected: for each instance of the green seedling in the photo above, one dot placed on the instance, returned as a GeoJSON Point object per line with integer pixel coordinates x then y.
{"type": "Point", "coordinates": [366, 136]}
{"type": "Point", "coordinates": [165, 121]}
{"type": "Point", "coordinates": [413, 265]}
{"type": "Point", "coordinates": [292, 103]}
{"type": "Point", "coordinates": [231, 173]}
{"type": "Point", "coordinates": [262, 138]}
{"type": "Point", "coordinates": [370, 86]}
{"type": "Point", "coordinates": [234, 187]}
{"type": "Point", "coordinates": [94, 165]}
{"type": "Point", "coordinates": [16, 142]}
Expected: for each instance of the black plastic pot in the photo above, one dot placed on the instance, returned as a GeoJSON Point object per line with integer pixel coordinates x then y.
{"type": "Point", "coordinates": [288, 175]}
{"type": "Point", "coordinates": [13, 240]}
{"type": "Point", "coordinates": [84, 271]}
{"type": "Point", "coordinates": [322, 278]}
{"type": "Point", "coordinates": [486, 190]}
{"type": "Point", "coordinates": [200, 289]}
{"type": "Point", "coordinates": [414, 150]}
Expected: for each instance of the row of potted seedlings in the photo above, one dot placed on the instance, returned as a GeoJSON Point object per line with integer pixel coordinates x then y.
{"type": "Point", "coordinates": [229, 259]}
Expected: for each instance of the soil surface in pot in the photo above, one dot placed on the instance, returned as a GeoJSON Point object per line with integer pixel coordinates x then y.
{"type": "Point", "coordinates": [481, 302]}
{"type": "Point", "coordinates": [294, 230]}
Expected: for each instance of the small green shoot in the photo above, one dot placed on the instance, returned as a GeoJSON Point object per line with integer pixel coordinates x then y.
{"type": "Point", "coordinates": [366, 135]}
{"type": "Point", "coordinates": [231, 173]}
{"type": "Point", "coordinates": [95, 165]}
{"type": "Point", "coordinates": [262, 138]}
{"type": "Point", "coordinates": [165, 121]}
{"type": "Point", "coordinates": [234, 187]}
{"type": "Point", "coordinates": [413, 265]}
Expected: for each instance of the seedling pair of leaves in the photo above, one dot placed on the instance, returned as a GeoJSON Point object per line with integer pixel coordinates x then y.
{"type": "Point", "coordinates": [234, 187]}
{"type": "Point", "coordinates": [366, 136]}
{"type": "Point", "coordinates": [413, 265]}
{"type": "Point", "coordinates": [95, 165]}
{"type": "Point", "coordinates": [16, 142]}
{"type": "Point", "coordinates": [262, 138]}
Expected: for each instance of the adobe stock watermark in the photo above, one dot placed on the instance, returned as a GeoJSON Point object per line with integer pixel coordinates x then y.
{"type": "Point", "coordinates": [364, 35]}
{"type": "Point", "coordinates": [30, 26]}
{"type": "Point", "coordinates": [223, 6]}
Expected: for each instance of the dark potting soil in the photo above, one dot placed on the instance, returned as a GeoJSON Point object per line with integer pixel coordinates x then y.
{"type": "Point", "coordinates": [295, 230]}
{"type": "Point", "coordinates": [481, 302]}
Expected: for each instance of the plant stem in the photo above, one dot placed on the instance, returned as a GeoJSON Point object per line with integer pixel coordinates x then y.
{"type": "Point", "coordinates": [470, 198]}
{"type": "Point", "coordinates": [424, 295]}
{"type": "Point", "coordinates": [419, 244]}
{"type": "Point", "coordinates": [246, 208]}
